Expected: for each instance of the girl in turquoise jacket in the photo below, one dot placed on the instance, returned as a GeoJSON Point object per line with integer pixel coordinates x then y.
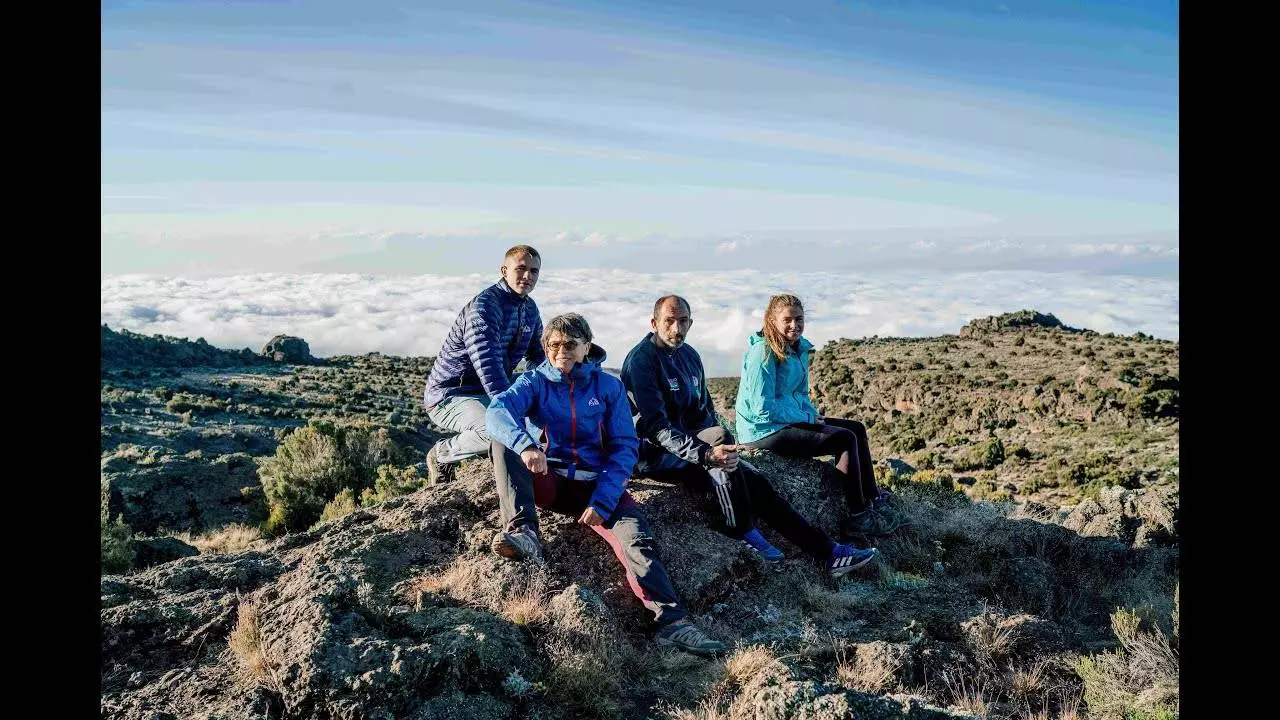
{"type": "Point", "coordinates": [774, 412]}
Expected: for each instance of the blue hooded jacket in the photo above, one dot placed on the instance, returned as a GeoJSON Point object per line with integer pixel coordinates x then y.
{"type": "Point", "coordinates": [488, 339]}
{"type": "Point", "coordinates": [772, 395]}
{"type": "Point", "coordinates": [586, 418]}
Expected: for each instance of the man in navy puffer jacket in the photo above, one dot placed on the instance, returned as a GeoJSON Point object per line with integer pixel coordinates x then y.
{"type": "Point", "coordinates": [590, 450]}
{"type": "Point", "coordinates": [497, 329]}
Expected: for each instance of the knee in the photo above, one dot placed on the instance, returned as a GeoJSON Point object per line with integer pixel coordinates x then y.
{"type": "Point", "coordinates": [847, 438]}
{"type": "Point", "coordinates": [716, 435]}
{"type": "Point", "coordinates": [501, 453]}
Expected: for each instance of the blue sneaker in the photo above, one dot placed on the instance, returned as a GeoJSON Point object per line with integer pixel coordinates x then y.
{"type": "Point", "coordinates": [845, 558]}
{"type": "Point", "coordinates": [755, 540]}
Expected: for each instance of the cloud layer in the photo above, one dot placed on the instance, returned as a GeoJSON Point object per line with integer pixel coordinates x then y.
{"type": "Point", "coordinates": [410, 315]}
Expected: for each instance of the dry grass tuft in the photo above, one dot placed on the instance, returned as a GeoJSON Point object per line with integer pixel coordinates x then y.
{"type": "Point", "coordinates": [968, 694]}
{"type": "Point", "coordinates": [229, 539]}
{"type": "Point", "coordinates": [872, 669]}
{"type": "Point", "coordinates": [247, 644]}
{"type": "Point", "coordinates": [990, 637]}
{"type": "Point", "coordinates": [751, 662]}
{"type": "Point", "coordinates": [1027, 681]}
{"type": "Point", "coordinates": [520, 598]}
{"type": "Point", "coordinates": [527, 606]}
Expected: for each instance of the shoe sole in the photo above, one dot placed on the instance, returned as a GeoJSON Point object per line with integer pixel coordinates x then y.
{"type": "Point", "coordinates": [840, 572]}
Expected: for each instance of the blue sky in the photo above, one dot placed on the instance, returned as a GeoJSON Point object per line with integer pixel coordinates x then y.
{"type": "Point", "coordinates": [387, 138]}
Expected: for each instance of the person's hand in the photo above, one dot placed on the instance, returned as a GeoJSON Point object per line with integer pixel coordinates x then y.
{"type": "Point", "coordinates": [724, 456]}
{"type": "Point", "coordinates": [535, 460]}
{"type": "Point", "coordinates": [591, 517]}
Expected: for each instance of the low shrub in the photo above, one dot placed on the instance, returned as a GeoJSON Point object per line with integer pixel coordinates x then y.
{"type": "Point", "coordinates": [315, 463]}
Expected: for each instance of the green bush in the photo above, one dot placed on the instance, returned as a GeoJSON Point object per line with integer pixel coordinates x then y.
{"type": "Point", "coordinates": [312, 465]}
{"type": "Point", "coordinates": [344, 503]}
{"type": "Point", "coordinates": [392, 482]}
{"type": "Point", "coordinates": [117, 541]}
{"type": "Point", "coordinates": [1139, 680]}
{"type": "Point", "coordinates": [993, 453]}
{"type": "Point", "coordinates": [908, 443]}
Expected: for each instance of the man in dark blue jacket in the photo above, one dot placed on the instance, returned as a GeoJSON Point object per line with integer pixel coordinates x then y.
{"type": "Point", "coordinates": [682, 442]}
{"type": "Point", "coordinates": [582, 471]}
{"type": "Point", "coordinates": [497, 329]}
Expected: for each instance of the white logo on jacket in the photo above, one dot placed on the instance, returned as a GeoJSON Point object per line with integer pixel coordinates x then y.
{"type": "Point", "coordinates": [673, 383]}
{"type": "Point", "coordinates": [593, 402]}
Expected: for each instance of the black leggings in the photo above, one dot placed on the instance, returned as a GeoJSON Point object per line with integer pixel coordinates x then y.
{"type": "Point", "coordinates": [748, 498]}
{"type": "Point", "coordinates": [833, 437]}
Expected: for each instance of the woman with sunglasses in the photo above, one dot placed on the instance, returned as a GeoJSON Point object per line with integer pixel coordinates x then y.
{"type": "Point", "coordinates": [580, 469]}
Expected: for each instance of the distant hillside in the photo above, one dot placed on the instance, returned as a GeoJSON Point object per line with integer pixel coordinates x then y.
{"type": "Point", "coordinates": [131, 350]}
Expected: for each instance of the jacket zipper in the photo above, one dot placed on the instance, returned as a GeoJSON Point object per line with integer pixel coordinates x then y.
{"type": "Point", "coordinates": [573, 424]}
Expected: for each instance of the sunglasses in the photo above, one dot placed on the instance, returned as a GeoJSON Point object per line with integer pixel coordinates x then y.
{"type": "Point", "coordinates": [570, 345]}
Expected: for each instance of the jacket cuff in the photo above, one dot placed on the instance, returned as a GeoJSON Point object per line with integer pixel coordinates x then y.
{"type": "Point", "coordinates": [523, 442]}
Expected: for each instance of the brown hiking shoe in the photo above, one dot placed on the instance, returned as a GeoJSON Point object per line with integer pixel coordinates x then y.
{"type": "Point", "coordinates": [438, 472]}
{"type": "Point", "coordinates": [520, 545]}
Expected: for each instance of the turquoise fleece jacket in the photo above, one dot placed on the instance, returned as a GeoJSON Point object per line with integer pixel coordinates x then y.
{"type": "Point", "coordinates": [771, 395]}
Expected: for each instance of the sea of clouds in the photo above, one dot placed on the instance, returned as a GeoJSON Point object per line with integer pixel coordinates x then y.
{"type": "Point", "coordinates": [409, 315]}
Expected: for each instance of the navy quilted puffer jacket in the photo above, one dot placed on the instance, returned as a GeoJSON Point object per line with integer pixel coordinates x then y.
{"type": "Point", "coordinates": [492, 333]}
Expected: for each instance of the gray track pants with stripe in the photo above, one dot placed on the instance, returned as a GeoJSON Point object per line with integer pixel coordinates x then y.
{"type": "Point", "coordinates": [747, 498]}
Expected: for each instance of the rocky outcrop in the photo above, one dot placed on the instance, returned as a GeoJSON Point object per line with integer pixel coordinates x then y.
{"type": "Point", "coordinates": [1141, 517]}
{"type": "Point", "coordinates": [134, 351]}
{"type": "Point", "coordinates": [156, 490]}
{"type": "Point", "coordinates": [154, 551]}
{"type": "Point", "coordinates": [1010, 321]}
{"type": "Point", "coordinates": [288, 349]}
{"type": "Point", "coordinates": [401, 611]}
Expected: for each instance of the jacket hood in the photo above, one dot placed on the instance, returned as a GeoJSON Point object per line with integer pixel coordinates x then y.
{"type": "Point", "coordinates": [590, 365]}
{"type": "Point", "coordinates": [757, 338]}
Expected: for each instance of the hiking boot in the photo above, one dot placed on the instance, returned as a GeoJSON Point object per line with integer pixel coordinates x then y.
{"type": "Point", "coordinates": [875, 523]}
{"type": "Point", "coordinates": [845, 558]}
{"type": "Point", "coordinates": [684, 635]}
{"type": "Point", "coordinates": [885, 499]}
{"type": "Point", "coordinates": [519, 545]}
{"type": "Point", "coordinates": [755, 540]}
{"type": "Point", "coordinates": [893, 515]}
{"type": "Point", "coordinates": [438, 472]}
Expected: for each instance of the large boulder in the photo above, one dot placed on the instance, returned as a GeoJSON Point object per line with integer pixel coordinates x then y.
{"type": "Point", "coordinates": [288, 349]}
